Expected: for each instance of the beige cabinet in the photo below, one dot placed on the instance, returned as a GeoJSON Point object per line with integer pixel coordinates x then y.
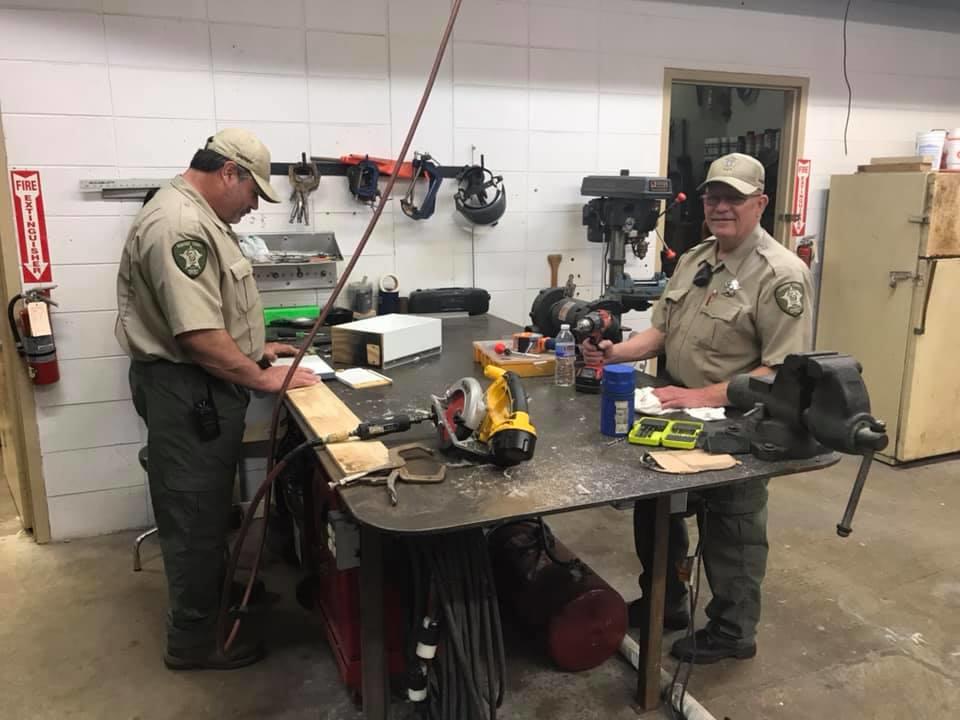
{"type": "Point", "coordinates": [890, 296]}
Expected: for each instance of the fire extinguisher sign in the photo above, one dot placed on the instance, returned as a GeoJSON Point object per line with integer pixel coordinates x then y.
{"type": "Point", "coordinates": [801, 194]}
{"type": "Point", "coordinates": [31, 226]}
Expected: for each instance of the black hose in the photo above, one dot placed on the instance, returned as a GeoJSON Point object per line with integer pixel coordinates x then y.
{"type": "Point", "coordinates": [467, 678]}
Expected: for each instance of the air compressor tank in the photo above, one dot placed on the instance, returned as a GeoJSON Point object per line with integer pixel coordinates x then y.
{"type": "Point", "coordinates": [581, 617]}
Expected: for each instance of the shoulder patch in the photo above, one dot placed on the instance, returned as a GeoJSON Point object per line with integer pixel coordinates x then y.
{"type": "Point", "coordinates": [191, 257]}
{"type": "Point", "coordinates": [790, 299]}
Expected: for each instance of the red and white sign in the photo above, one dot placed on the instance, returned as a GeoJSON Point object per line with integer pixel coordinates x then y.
{"type": "Point", "coordinates": [801, 192]}
{"type": "Point", "coordinates": [31, 226]}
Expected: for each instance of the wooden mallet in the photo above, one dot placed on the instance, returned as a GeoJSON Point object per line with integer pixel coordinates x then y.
{"type": "Point", "coordinates": [554, 261]}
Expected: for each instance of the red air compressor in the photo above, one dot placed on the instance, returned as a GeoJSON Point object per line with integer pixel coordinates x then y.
{"type": "Point", "coordinates": [550, 589]}
{"type": "Point", "coordinates": [34, 335]}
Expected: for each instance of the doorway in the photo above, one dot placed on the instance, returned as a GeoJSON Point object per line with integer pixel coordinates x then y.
{"type": "Point", "coordinates": [20, 460]}
{"type": "Point", "coordinates": [710, 114]}
{"type": "Point", "coordinates": [9, 506]}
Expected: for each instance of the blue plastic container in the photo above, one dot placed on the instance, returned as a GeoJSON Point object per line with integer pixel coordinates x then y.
{"type": "Point", "coordinates": [616, 403]}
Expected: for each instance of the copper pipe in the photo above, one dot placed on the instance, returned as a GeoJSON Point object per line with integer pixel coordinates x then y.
{"type": "Point", "coordinates": [274, 471]}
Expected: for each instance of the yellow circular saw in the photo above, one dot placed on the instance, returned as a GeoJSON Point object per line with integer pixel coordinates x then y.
{"type": "Point", "coordinates": [492, 426]}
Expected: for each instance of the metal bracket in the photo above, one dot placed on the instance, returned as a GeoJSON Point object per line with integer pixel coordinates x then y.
{"type": "Point", "coordinates": [919, 219]}
{"type": "Point", "coordinates": [898, 276]}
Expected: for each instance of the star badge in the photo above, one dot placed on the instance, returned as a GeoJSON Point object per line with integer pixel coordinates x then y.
{"type": "Point", "coordinates": [190, 257]}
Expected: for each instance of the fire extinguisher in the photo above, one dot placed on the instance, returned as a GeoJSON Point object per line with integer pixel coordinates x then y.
{"type": "Point", "coordinates": [34, 334]}
{"type": "Point", "coordinates": [805, 249]}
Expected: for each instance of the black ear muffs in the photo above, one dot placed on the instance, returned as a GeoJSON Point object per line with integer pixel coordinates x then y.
{"type": "Point", "coordinates": [481, 196]}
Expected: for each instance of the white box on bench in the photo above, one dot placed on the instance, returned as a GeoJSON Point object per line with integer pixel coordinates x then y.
{"type": "Point", "coordinates": [386, 341]}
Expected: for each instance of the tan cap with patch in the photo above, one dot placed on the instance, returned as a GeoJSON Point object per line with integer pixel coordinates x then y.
{"type": "Point", "coordinates": [246, 150]}
{"type": "Point", "coordinates": [743, 173]}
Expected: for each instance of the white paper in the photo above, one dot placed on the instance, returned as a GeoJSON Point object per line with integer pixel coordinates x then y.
{"type": "Point", "coordinates": [311, 362]}
{"type": "Point", "coordinates": [358, 376]}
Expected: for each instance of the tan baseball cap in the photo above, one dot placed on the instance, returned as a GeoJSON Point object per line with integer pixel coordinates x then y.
{"type": "Point", "coordinates": [743, 173]}
{"type": "Point", "coordinates": [246, 150]}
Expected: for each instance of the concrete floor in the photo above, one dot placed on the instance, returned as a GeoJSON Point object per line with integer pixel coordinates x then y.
{"type": "Point", "coordinates": [867, 627]}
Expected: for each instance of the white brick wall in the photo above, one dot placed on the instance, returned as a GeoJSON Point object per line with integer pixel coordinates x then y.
{"type": "Point", "coordinates": [548, 90]}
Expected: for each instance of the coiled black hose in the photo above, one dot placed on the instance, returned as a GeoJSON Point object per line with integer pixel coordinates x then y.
{"type": "Point", "coordinates": [454, 580]}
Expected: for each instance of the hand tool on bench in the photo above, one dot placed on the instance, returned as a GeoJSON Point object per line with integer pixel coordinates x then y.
{"type": "Point", "coordinates": [399, 467]}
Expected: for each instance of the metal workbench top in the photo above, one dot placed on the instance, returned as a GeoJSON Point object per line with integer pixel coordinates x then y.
{"type": "Point", "coordinates": [573, 466]}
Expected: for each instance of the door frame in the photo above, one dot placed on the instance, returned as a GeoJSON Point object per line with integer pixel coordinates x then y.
{"type": "Point", "coordinates": [19, 397]}
{"type": "Point", "coordinates": [797, 92]}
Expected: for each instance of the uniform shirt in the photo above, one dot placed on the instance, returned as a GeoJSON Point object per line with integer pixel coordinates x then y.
{"type": "Point", "coordinates": [182, 270]}
{"type": "Point", "coordinates": [755, 310]}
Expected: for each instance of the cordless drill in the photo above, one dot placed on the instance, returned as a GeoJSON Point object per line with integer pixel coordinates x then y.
{"type": "Point", "coordinates": [594, 326]}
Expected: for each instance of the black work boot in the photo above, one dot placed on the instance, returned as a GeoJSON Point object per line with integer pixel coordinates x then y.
{"type": "Point", "coordinates": [704, 649]}
{"type": "Point", "coordinates": [239, 655]}
{"type": "Point", "coordinates": [675, 615]}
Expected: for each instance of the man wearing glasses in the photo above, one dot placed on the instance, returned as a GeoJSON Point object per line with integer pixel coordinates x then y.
{"type": "Point", "coordinates": [739, 302]}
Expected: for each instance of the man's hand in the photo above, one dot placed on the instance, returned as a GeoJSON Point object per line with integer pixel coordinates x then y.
{"type": "Point", "coordinates": [601, 354]}
{"type": "Point", "coordinates": [271, 380]}
{"type": "Point", "coordinates": [273, 350]}
{"type": "Point", "coordinates": [678, 397]}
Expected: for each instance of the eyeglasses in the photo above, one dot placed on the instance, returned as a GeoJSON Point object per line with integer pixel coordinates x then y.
{"type": "Point", "coordinates": [735, 200]}
{"type": "Point", "coordinates": [704, 273]}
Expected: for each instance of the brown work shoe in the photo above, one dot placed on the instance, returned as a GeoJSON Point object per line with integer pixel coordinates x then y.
{"type": "Point", "coordinates": [239, 655]}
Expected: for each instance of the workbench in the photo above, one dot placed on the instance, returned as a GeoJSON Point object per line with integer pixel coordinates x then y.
{"type": "Point", "coordinates": [574, 468]}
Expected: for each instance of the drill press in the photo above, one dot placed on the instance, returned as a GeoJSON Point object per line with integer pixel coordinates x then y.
{"type": "Point", "coordinates": [623, 211]}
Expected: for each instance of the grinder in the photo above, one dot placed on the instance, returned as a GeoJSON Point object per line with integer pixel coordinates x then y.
{"type": "Point", "coordinates": [594, 326]}
{"type": "Point", "coordinates": [492, 426]}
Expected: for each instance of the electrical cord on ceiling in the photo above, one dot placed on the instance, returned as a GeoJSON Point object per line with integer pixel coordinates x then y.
{"type": "Point", "coordinates": [846, 77]}
{"type": "Point", "coordinates": [673, 704]}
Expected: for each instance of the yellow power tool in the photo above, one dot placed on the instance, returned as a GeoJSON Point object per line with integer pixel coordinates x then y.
{"type": "Point", "coordinates": [493, 426]}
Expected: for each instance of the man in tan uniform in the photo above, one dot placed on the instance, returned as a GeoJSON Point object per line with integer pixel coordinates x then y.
{"type": "Point", "coordinates": [739, 302]}
{"type": "Point", "coordinates": [191, 319]}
